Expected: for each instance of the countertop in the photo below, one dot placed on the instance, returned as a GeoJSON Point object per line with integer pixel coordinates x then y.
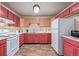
{"type": "Point", "coordinates": [1, 38]}
{"type": "Point", "coordinates": [72, 38]}
{"type": "Point", "coordinates": [34, 33]}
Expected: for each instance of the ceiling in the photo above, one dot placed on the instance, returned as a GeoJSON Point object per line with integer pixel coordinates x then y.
{"type": "Point", "coordinates": [46, 8]}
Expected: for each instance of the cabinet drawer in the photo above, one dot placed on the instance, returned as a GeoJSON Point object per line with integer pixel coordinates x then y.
{"type": "Point", "coordinates": [75, 43]}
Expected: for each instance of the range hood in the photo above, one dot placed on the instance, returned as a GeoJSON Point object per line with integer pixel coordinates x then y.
{"type": "Point", "coordinates": [7, 21]}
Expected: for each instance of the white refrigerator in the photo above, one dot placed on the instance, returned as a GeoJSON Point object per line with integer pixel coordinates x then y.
{"type": "Point", "coordinates": [59, 28]}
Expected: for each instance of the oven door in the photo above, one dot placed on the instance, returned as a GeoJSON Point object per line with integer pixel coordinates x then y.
{"type": "Point", "coordinates": [12, 44]}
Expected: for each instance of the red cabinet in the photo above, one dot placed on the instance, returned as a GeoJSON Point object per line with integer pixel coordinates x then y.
{"type": "Point", "coordinates": [49, 38]}
{"type": "Point", "coordinates": [38, 38]}
{"type": "Point", "coordinates": [10, 15]}
{"type": "Point", "coordinates": [71, 47]}
{"type": "Point", "coordinates": [63, 14]}
{"type": "Point", "coordinates": [21, 39]}
{"type": "Point", "coordinates": [3, 12]}
{"type": "Point", "coordinates": [3, 47]}
{"type": "Point", "coordinates": [25, 38]}
{"type": "Point", "coordinates": [74, 7]}
{"type": "Point", "coordinates": [66, 12]}
{"type": "Point", "coordinates": [68, 49]}
{"type": "Point", "coordinates": [76, 51]}
{"type": "Point", "coordinates": [17, 21]}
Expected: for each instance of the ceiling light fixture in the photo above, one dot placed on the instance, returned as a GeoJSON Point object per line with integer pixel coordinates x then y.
{"type": "Point", "coordinates": [36, 8]}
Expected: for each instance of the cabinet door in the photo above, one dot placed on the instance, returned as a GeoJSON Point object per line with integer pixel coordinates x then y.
{"type": "Point", "coordinates": [48, 38]}
{"type": "Point", "coordinates": [45, 22]}
{"type": "Point", "coordinates": [76, 51]}
{"type": "Point", "coordinates": [2, 50]}
{"type": "Point", "coordinates": [17, 21]}
{"type": "Point", "coordinates": [36, 38]}
{"type": "Point", "coordinates": [10, 15]}
{"type": "Point", "coordinates": [42, 38]}
{"type": "Point", "coordinates": [66, 12]}
{"type": "Point", "coordinates": [25, 38]}
{"type": "Point", "coordinates": [30, 38]}
{"type": "Point", "coordinates": [68, 49]}
{"type": "Point", "coordinates": [75, 7]}
{"type": "Point", "coordinates": [3, 12]}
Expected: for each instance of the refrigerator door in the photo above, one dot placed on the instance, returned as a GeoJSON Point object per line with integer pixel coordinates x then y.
{"type": "Point", "coordinates": [65, 27]}
{"type": "Point", "coordinates": [54, 40]}
{"type": "Point", "coordinates": [54, 24]}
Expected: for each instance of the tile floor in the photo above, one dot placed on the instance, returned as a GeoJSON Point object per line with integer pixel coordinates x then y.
{"type": "Point", "coordinates": [36, 50]}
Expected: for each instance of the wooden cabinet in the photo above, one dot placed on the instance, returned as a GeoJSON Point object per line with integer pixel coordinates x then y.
{"type": "Point", "coordinates": [34, 20]}
{"type": "Point", "coordinates": [41, 21]}
{"type": "Point", "coordinates": [45, 22]}
{"type": "Point", "coordinates": [22, 22]}
{"type": "Point", "coordinates": [71, 47]}
{"type": "Point", "coordinates": [38, 38]}
{"type": "Point", "coordinates": [3, 47]}
{"type": "Point", "coordinates": [3, 12]}
{"type": "Point", "coordinates": [27, 23]}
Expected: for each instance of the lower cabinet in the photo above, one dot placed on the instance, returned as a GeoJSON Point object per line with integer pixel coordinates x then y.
{"type": "Point", "coordinates": [37, 38]}
{"type": "Point", "coordinates": [76, 51]}
{"type": "Point", "coordinates": [68, 49]}
{"type": "Point", "coordinates": [21, 39]}
{"type": "Point", "coordinates": [71, 49]}
{"type": "Point", "coordinates": [3, 48]}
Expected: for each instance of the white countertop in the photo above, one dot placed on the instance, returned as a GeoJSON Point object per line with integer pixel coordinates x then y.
{"type": "Point", "coordinates": [72, 38]}
{"type": "Point", "coordinates": [1, 38]}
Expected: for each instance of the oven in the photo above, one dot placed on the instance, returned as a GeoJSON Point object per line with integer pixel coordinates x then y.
{"type": "Point", "coordinates": [12, 44]}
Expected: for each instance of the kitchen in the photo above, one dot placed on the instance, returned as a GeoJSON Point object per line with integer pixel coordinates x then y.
{"type": "Point", "coordinates": [38, 29]}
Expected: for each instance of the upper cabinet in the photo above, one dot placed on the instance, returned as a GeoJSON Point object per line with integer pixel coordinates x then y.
{"type": "Point", "coordinates": [22, 22]}
{"type": "Point", "coordinates": [66, 12]}
{"type": "Point", "coordinates": [10, 15]}
{"type": "Point", "coordinates": [44, 22]}
{"type": "Point", "coordinates": [3, 12]}
{"type": "Point", "coordinates": [74, 8]}
{"type": "Point", "coordinates": [41, 21]}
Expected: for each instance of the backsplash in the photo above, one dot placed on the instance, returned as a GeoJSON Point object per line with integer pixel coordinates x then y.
{"type": "Point", "coordinates": [34, 28]}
